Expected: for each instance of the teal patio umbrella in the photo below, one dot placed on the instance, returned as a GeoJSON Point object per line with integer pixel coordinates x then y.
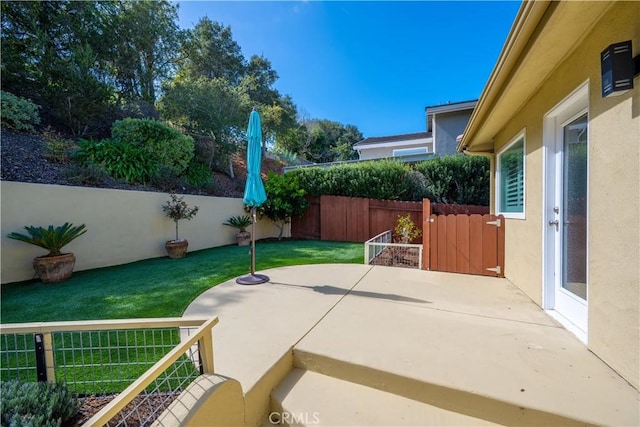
{"type": "Point", "coordinates": [254, 194]}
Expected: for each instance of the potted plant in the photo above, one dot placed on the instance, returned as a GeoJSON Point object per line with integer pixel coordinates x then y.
{"type": "Point", "coordinates": [55, 266]}
{"type": "Point", "coordinates": [241, 222]}
{"type": "Point", "coordinates": [176, 209]}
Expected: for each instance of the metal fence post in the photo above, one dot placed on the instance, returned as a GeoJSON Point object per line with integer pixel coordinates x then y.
{"type": "Point", "coordinates": [41, 365]}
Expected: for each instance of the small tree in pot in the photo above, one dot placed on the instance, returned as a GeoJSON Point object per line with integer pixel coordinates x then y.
{"type": "Point", "coordinates": [55, 266]}
{"type": "Point", "coordinates": [176, 209]}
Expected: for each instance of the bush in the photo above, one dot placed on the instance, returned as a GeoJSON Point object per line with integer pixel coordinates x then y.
{"type": "Point", "coordinates": [457, 179]}
{"type": "Point", "coordinates": [36, 404]}
{"type": "Point", "coordinates": [90, 174]}
{"type": "Point", "coordinates": [385, 180]}
{"type": "Point", "coordinates": [18, 113]}
{"type": "Point", "coordinates": [285, 199]}
{"type": "Point", "coordinates": [120, 159]}
{"type": "Point", "coordinates": [198, 174]}
{"type": "Point", "coordinates": [167, 180]}
{"type": "Point", "coordinates": [165, 145]}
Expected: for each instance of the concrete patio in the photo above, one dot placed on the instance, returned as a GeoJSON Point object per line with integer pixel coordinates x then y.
{"type": "Point", "coordinates": [371, 345]}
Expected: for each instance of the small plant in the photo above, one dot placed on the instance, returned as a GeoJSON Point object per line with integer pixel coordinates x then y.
{"type": "Point", "coordinates": [91, 174]}
{"type": "Point", "coordinates": [241, 222]}
{"type": "Point", "coordinates": [52, 238]}
{"type": "Point", "coordinates": [198, 174]}
{"type": "Point", "coordinates": [57, 149]}
{"type": "Point", "coordinates": [176, 209]}
{"type": "Point", "coordinates": [37, 404]}
{"type": "Point", "coordinates": [406, 230]}
{"type": "Point", "coordinates": [18, 113]}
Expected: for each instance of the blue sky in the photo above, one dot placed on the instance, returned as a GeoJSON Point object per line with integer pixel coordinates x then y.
{"type": "Point", "coordinates": [375, 65]}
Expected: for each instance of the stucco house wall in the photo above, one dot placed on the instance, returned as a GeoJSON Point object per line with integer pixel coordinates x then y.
{"type": "Point", "coordinates": [447, 127]}
{"type": "Point", "coordinates": [613, 193]}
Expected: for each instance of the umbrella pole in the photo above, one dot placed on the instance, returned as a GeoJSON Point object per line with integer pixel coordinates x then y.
{"type": "Point", "coordinates": [253, 278]}
{"type": "Point", "coordinates": [253, 240]}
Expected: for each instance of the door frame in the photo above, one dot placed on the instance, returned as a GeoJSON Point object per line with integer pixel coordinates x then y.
{"type": "Point", "coordinates": [570, 108]}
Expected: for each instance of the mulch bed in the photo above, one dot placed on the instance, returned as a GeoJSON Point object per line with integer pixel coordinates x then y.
{"type": "Point", "coordinates": [149, 408]}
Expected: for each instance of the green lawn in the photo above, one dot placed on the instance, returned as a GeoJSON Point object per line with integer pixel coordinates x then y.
{"type": "Point", "coordinates": [159, 287]}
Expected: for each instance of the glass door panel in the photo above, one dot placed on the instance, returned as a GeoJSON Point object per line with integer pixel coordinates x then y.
{"type": "Point", "coordinates": [574, 204]}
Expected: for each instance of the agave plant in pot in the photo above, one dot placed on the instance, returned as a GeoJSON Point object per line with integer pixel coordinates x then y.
{"type": "Point", "coordinates": [55, 266]}
{"type": "Point", "coordinates": [241, 222]}
{"type": "Point", "coordinates": [176, 209]}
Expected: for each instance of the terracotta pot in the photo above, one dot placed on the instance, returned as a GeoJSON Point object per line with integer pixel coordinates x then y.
{"type": "Point", "coordinates": [176, 248]}
{"type": "Point", "coordinates": [243, 238]}
{"type": "Point", "coordinates": [54, 269]}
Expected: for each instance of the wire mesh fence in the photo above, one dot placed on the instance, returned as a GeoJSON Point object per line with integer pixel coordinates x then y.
{"type": "Point", "coordinates": [90, 362]}
{"type": "Point", "coordinates": [380, 250]}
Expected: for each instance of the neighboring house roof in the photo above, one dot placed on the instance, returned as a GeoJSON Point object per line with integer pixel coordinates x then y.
{"type": "Point", "coordinates": [394, 140]}
{"type": "Point", "coordinates": [451, 106]}
{"type": "Point", "coordinates": [527, 59]}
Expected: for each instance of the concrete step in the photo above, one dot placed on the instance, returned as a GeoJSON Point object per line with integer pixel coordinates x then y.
{"type": "Point", "coordinates": [308, 398]}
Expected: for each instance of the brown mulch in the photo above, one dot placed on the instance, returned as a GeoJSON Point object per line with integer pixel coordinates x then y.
{"type": "Point", "coordinates": [148, 408]}
{"type": "Point", "coordinates": [24, 159]}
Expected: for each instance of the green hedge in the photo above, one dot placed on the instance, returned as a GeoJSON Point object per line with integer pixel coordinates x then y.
{"type": "Point", "coordinates": [383, 179]}
{"type": "Point", "coordinates": [453, 179]}
{"type": "Point", "coordinates": [457, 179]}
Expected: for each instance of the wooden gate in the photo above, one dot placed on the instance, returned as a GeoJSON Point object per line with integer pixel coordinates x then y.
{"type": "Point", "coordinates": [468, 244]}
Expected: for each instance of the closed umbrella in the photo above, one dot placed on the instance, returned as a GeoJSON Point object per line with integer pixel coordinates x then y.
{"type": "Point", "coordinates": [254, 194]}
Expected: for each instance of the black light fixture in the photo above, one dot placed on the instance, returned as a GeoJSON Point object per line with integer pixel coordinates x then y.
{"type": "Point", "coordinates": [618, 69]}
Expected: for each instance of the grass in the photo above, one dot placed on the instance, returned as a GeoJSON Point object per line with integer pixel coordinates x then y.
{"type": "Point", "coordinates": [159, 287]}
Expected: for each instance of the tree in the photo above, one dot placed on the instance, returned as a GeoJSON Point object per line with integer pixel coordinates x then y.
{"type": "Point", "coordinates": [285, 199]}
{"type": "Point", "coordinates": [51, 54]}
{"type": "Point", "coordinates": [209, 51]}
{"type": "Point", "coordinates": [321, 141]}
{"type": "Point", "coordinates": [146, 45]}
{"type": "Point", "coordinates": [211, 110]}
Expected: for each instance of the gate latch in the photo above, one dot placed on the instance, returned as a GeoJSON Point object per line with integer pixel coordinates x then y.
{"type": "Point", "coordinates": [496, 270]}
{"type": "Point", "coordinates": [497, 223]}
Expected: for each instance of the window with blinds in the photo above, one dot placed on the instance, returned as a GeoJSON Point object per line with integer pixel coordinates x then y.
{"type": "Point", "coordinates": [511, 180]}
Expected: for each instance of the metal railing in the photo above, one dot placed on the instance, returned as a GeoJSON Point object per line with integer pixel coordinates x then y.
{"type": "Point", "coordinates": [380, 250]}
{"type": "Point", "coordinates": [148, 361]}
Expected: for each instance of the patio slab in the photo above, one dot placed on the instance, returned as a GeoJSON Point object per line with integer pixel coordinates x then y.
{"type": "Point", "coordinates": [417, 334]}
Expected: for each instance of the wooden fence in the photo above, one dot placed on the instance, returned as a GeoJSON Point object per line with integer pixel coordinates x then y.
{"type": "Point", "coordinates": [357, 220]}
{"type": "Point", "coordinates": [467, 244]}
{"type": "Point", "coordinates": [351, 219]}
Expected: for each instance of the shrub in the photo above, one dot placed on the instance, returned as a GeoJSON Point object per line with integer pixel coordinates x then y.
{"type": "Point", "coordinates": [406, 230]}
{"type": "Point", "coordinates": [36, 404]}
{"type": "Point", "coordinates": [57, 149]}
{"type": "Point", "coordinates": [386, 180]}
{"type": "Point", "coordinates": [285, 199]}
{"type": "Point", "coordinates": [120, 159]}
{"type": "Point", "coordinates": [165, 145]}
{"type": "Point", "coordinates": [90, 174]}
{"type": "Point", "coordinates": [198, 174]}
{"type": "Point", "coordinates": [167, 180]}
{"type": "Point", "coordinates": [18, 113]}
{"type": "Point", "coordinates": [457, 179]}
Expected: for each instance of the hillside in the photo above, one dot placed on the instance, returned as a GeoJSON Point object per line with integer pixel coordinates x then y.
{"type": "Point", "coordinates": [25, 159]}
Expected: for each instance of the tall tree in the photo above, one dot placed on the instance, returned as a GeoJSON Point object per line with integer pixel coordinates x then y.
{"type": "Point", "coordinates": [51, 54]}
{"type": "Point", "coordinates": [147, 41]}
{"type": "Point", "coordinates": [209, 51]}
{"type": "Point", "coordinates": [321, 141]}
{"type": "Point", "coordinates": [211, 110]}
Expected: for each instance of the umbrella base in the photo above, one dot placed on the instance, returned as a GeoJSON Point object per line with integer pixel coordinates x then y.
{"type": "Point", "coordinates": [252, 279]}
